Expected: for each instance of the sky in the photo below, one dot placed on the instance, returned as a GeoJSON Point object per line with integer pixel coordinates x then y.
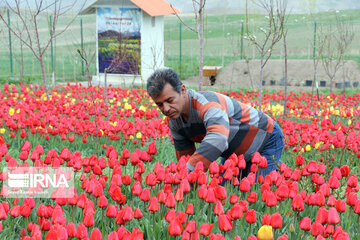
{"type": "Point", "coordinates": [296, 6]}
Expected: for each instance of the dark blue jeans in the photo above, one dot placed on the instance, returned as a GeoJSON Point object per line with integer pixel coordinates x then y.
{"type": "Point", "coordinates": [272, 151]}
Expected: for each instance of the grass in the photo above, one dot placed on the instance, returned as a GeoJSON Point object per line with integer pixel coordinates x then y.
{"type": "Point", "coordinates": [222, 43]}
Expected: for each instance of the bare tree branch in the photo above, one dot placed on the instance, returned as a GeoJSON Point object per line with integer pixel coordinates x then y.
{"type": "Point", "coordinates": [29, 17]}
{"type": "Point", "coordinates": [276, 18]}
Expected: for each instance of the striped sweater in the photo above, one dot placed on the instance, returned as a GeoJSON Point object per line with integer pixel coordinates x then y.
{"type": "Point", "coordinates": [222, 126]}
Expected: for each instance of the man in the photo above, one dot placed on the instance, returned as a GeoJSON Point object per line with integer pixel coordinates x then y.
{"type": "Point", "coordinates": [221, 124]}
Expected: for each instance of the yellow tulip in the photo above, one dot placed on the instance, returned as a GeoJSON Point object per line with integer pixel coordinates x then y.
{"type": "Point", "coordinates": [139, 135]}
{"type": "Point", "coordinates": [265, 233]}
{"type": "Point", "coordinates": [11, 111]}
{"type": "Point", "coordinates": [2, 130]}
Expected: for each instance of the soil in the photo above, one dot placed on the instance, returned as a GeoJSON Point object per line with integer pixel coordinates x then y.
{"type": "Point", "coordinates": [239, 74]}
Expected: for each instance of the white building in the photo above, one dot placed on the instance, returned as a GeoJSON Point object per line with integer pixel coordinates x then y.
{"type": "Point", "coordinates": [130, 38]}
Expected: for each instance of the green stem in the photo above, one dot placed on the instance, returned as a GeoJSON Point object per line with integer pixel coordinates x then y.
{"type": "Point", "coordinates": [11, 226]}
{"type": "Point", "coordinates": [234, 229]}
{"type": "Point", "coordinates": [153, 221]}
{"type": "Point", "coordinates": [102, 222]}
{"type": "Point", "coordinates": [358, 223]}
{"type": "Point", "coordinates": [209, 213]}
{"type": "Point", "coordinates": [349, 222]}
{"type": "Point", "coordinates": [249, 230]}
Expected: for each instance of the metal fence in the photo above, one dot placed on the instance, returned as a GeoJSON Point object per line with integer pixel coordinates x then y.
{"type": "Point", "coordinates": [224, 42]}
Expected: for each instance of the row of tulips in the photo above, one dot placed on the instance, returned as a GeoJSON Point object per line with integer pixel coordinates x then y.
{"type": "Point", "coordinates": [130, 115]}
{"type": "Point", "coordinates": [168, 200]}
{"type": "Point", "coordinates": [133, 193]}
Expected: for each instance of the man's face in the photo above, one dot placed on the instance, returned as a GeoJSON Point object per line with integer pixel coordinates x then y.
{"type": "Point", "coordinates": [170, 102]}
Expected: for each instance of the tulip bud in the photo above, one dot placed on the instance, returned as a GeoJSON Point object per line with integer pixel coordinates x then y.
{"type": "Point", "coordinates": [292, 228]}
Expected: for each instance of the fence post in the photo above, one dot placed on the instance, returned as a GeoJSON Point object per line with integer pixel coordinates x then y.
{"type": "Point", "coordinates": [10, 47]}
{"type": "Point", "coordinates": [51, 46]}
{"type": "Point", "coordinates": [242, 40]}
{"type": "Point", "coordinates": [314, 49]}
{"type": "Point", "coordinates": [51, 49]}
{"type": "Point", "coordinates": [180, 53]}
{"type": "Point", "coordinates": [82, 46]}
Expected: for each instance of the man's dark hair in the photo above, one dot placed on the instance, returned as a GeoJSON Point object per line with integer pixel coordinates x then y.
{"type": "Point", "coordinates": [158, 79]}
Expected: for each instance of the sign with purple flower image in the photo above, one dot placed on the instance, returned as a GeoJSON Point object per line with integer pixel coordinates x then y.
{"type": "Point", "coordinates": [119, 40]}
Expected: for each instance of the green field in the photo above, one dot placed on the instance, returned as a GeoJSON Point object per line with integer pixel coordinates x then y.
{"type": "Point", "coordinates": [222, 43]}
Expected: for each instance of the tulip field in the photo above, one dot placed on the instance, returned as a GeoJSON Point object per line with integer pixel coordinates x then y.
{"type": "Point", "coordinates": [129, 185]}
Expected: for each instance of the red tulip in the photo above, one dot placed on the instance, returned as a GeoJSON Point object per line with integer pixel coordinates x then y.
{"type": "Point", "coordinates": [175, 228]}
{"type": "Point", "coordinates": [357, 207]}
{"type": "Point", "coordinates": [151, 149]}
{"type": "Point", "coordinates": [271, 200]}
{"type": "Point", "coordinates": [220, 192]}
{"type": "Point", "coordinates": [81, 231]}
{"type": "Point", "coordinates": [113, 236]}
{"type": "Point", "coordinates": [266, 220]}
{"type": "Point", "coordinates": [352, 181]}
{"type": "Point", "coordinates": [334, 182]}
{"type": "Point", "coordinates": [250, 216]}
{"type": "Point", "coordinates": [96, 234]}
{"type": "Point", "coordinates": [305, 224]}
{"type": "Point", "coordinates": [128, 213]}
{"type": "Point", "coordinates": [137, 213]}
{"type": "Point", "coordinates": [111, 211]}
{"type": "Point", "coordinates": [181, 216]}
{"type": "Point", "coordinates": [45, 225]}
{"type": "Point", "coordinates": [218, 208]}
{"type": "Point", "coordinates": [170, 215]}
{"type": "Point", "coordinates": [153, 205]}
{"type": "Point", "coordinates": [317, 229]}
{"type": "Point", "coordinates": [214, 168]}
{"type": "Point", "coordinates": [24, 211]}
{"type": "Point", "coordinates": [299, 161]}
{"type": "Point", "coordinates": [15, 211]}
{"type": "Point", "coordinates": [71, 229]}
{"type": "Point", "coordinates": [126, 180]}
{"type": "Point", "coordinates": [136, 234]}
{"type": "Point", "coordinates": [205, 229]}
{"type": "Point", "coordinates": [103, 202]}
{"type": "Point", "coordinates": [236, 211]}
{"type": "Point", "coordinates": [88, 220]}
{"type": "Point", "coordinates": [298, 203]}
{"type": "Point", "coordinates": [344, 171]}
{"type": "Point", "coordinates": [283, 237]}
{"type": "Point", "coordinates": [190, 209]}
{"type": "Point", "coordinates": [282, 192]}
{"type": "Point", "coordinates": [245, 185]}
{"type": "Point", "coordinates": [351, 199]}
{"type": "Point", "coordinates": [333, 216]}
{"type": "Point", "coordinates": [202, 192]}
{"type": "Point", "coordinates": [190, 226]}
{"type": "Point", "coordinates": [150, 179]}
{"type": "Point", "coordinates": [145, 195]}
{"type": "Point", "coordinates": [136, 188]}
{"type": "Point", "coordinates": [225, 223]}
{"type": "Point", "coordinates": [202, 178]}
{"type": "Point", "coordinates": [179, 195]}
{"type": "Point", "coordinates": [26, 146]}
{"type": "Point", "coordinates": [170, 200]}
{"type": "Point", "coordinates": [234, 198]}
{"type": "Point", "coordinates": [276, 220]}
{"type": "Point", "coordinates": [322, 215]}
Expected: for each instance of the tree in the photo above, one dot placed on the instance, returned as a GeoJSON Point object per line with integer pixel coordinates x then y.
{"type": "Point", "coordinates": [29, 13]}
{"type": "Point", "coordinates": [199, 8]}
{"type": "Point", "coordinates": [272, 32]}
{"type": "Point", "coordinates": [328, 49]}
{"type": "Point", "coordinates": [344, 39]}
